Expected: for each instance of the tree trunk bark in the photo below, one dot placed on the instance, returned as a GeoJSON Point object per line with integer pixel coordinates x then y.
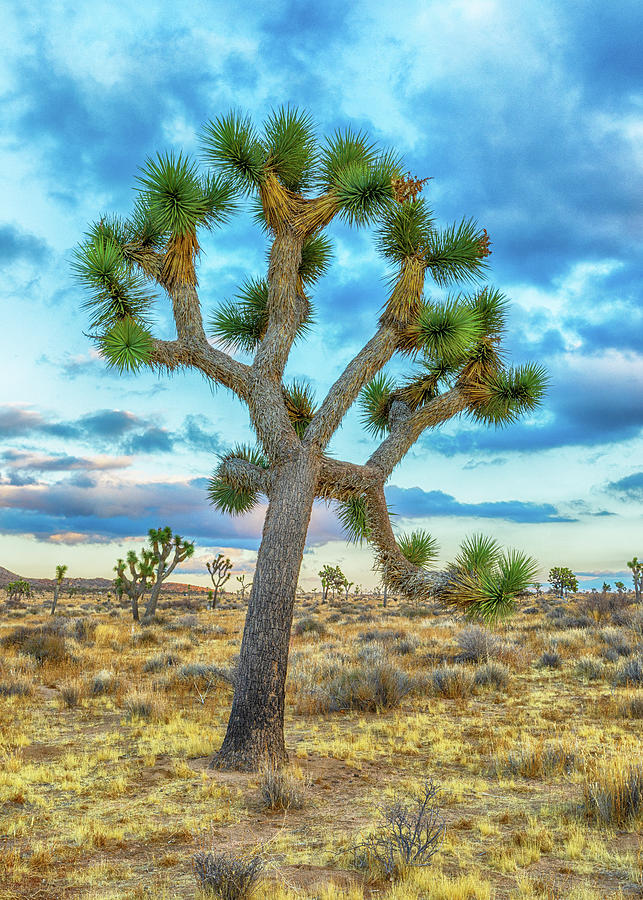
{"type": "Point", "coordinates": [55, 600]}
{"type": "Point", "coordinates": [152, 602]}
{"type": "Point", "coordinates": [134, 599]}
{"type": "Point", "coordinates": [255, 733]}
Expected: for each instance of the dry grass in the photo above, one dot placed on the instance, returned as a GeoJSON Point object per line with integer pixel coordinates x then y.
{"type": "Point", "coordinates": [107, 730]}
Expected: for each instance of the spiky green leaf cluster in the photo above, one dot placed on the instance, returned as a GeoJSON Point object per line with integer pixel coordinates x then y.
{"type": "Point", "coordinates": [453, 254]}
{"type": "Point", "coordinates": [316, 255]}
{"type": "Point", "coordinates": [177, 198]}
{"type": "Point", "coordinates": [490, 306]}
{"type": "Point", "coordinates": [231, 145]}
{"type": "Point", "coordinates": [485, 580]}
{"type": "Point", "coordinates": [345, 150]}
{"type": "Point", "coordinates": [228, 497]}
{"type": "Point", "coordinates": [126, 346]}
{"type": "Point", "coordinates": [353, 519]}
{"type": "Point", "coordinates": [419, 547]}
{"type": "Point", "coordinates": [364, 192]}
{"type": "Point", "coordinates": [446, 331]}
{"type": "Point", "coordinates": [300, 405]}
{"type": "Point", "coordinates": [115, 292]}
{"type": "Point", "coordinates": [375, 400]}
{"type": "Point", "coordinates": [290, 147]}
{"type": "Point", "coordinates": [405, 230]}
{"type": "Point", "coordinates": [509, 393]}
{"type": "Point", "coordinates": [240, 324]}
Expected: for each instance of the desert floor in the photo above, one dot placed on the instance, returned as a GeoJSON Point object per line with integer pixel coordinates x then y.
{"type": "Point", "coordinates": [530, 732]}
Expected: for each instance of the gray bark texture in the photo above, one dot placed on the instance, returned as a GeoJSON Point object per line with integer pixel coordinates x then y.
{"type": "Point", "coordinates": [255, 736]}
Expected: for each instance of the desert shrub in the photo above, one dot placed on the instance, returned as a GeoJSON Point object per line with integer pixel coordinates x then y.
{"type": "Point", "coordinates": [632, 708]}
{"type": "Point", "coordinates": [225, 876]}
{"type": "Point", "coordinates": [538, 761]}
{"type": "Point", "coordinates": [139, 705]}
{"type": "Point", "coordinates": [477, 644]}
{"type": "Point", "coordinates": [83, 629]}
{"type": "Point", "coordinates": [551, 659]}
{"type": "Point", "coordinates": [493, 674]}
{"type": "Point", "coordinates": [630, 672]}
{"type": "Point", "coordinates": [381, 635]}
{"type": "Point", "coordinates": [158, 663]}
{"type": "Point", "coordinates": [409, 834]}
{"type": "Point", "coordinates": [415, 612]}
{"type": "Point", "coordinates": [145, 638]}
{"type": "Point", "coordinates": [614, 797]}
{"type": "Point", "coordinates": [70, 694]}
{"type": "Point", "coordinates": [406, 645]}
{"type": "Point", "coordinates": [46, 647]}
{"type": "Point", "coordinates": [15, 688]}
{"type": "Point", "coordinates": [616, 641]}
{"type": "Point", "coordinates": [333, 618]}
{"type": "Point", "coordinates": [309, 625]}
{"type": "Point", "coordinates": [590, 668]}
{"type": "Point", "coordinates": [103, 682]}
{"type": "Point", "coordinates": [454, 682]}
{"type": "Point", "coordinates": [207, 672]}
{"type": "Point", "coordinates": [372, 654]}
{"type": "Point", "coordinates": [382, 686]}
{"type": "Point", "coordinates": [279, 790]}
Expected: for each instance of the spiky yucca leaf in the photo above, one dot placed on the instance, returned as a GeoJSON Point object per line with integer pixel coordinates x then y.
{"type": "Point", "coordinates": [454, 254]}
{"type": "Point", "coordinates": [425, 384]}
{"type": "Point", "coordinates": [126, 346]}
{"type": "Point", "coordinates": [116, 293]}
{"type": "Point", "coordinates": [374, 400]}
{"type": "Point", "coordinates": [364, 192]}
{"type": "Point", "coordinates": [343, 150]}
{"type": "Point", "coordinates": [172, 190]}
{"type": "Point", "coordinates": [353, 518]}
{"type": "Point", "coordinates": [316, 255]}
{"type": "Point", "coordinates": [497, 588]}
{"type": "Point", "coordinates": [491, 307]}
{"type": "Point", "coordinates": [230, 498]}
{"type": "Point", "coordinates": [419, 547]}
{"type": "Point", "coordinates": [446, 331]}
{"type": "Point", "coordinates": [405, 230]}
{"type": "Point", "coordinates": [219, 199]}
{"type": "Point", "coordinates": [505, 396]}
{"type": "Point", "coordinates": [289, 145]}
{"type": "Point", "coordinates": [231, 145]}
{"type": "Point", "coordinates": [477, 553]}
{"type": "Point", "coordinates": [483, 361]}
{"type": "Point", "coordinates": [300, 405]}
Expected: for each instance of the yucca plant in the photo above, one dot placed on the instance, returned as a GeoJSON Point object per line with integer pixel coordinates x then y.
{"type": "Point", "coordinates": [296, 185]}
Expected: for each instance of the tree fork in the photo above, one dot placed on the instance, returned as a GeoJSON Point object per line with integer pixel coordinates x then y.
{"type": "Point", "coordinates": [255, 733]}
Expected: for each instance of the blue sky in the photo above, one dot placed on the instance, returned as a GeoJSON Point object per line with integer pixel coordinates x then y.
{"type": "Point", "coordinates": [528, 116]}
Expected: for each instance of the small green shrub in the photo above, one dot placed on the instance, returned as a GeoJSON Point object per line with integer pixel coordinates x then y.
{"type": "Point", "coordinates": [615, 796]}
{"type": "Point", "coordinates": [454, 682]}
{"type": "Point", "coordinates": [492, 674]}
{"type": "Point", "coordinates": [309, 625]}
{"type": "Point", "coordinates": [225, 876]}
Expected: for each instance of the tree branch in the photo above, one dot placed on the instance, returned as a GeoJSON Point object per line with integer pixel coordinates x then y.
{"type": "Point", "coordinates": [344, 392]}
{"type": "Point", "coordinates": [245, 475]}
{"type": "Point", "coordinates": [398, 573]}
{"type": "Point", "coordinates": [407, 426]}
{"type": "Point", "coordinates": [213, 363]}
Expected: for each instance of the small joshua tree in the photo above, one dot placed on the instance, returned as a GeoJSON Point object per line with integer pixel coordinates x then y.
{"type": "Point", "coordinates": [243, 587]}
{"type": "Point", "coordinates": [219, 570]}
{"type": "Point", "coordinates": [169, 550]}
{"type": "Point", "coordinates": [17, 590]}
{"type": "Point", "coordinates": [563, 581]}
{"type": "Point", "coordinates": [133, 576]}
{"type": "Point", "coordinates": [298, 185]}
{"type": "Point", "coordinates": [637, 577]}
{"type": "Point", "coordinates": [60, 574]}
{"type": "Point", "coordinates": [620, 587]}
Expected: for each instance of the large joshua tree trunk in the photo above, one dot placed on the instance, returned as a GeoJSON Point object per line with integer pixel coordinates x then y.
{"type": "Point", "coordinates": [255, 735]}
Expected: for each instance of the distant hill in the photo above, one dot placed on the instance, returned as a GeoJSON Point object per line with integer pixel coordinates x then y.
{"type": "Point", "coordinates": [88, 584]}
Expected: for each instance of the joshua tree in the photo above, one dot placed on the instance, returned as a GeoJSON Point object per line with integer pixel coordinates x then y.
{"type": "Point", "coordinates": [17, 590]}
{"type": "Point", "coordinates": [243, 587]}
{"type": "Point", "coordinates": [163, 543]}
{"type": "Point", "coordinates": [563, 580]}
{"type": "Point", "coordinates": [219, 570]}
{"type": "Point", "coordinates": [347, 585]}
{"type": "Point", "coordinates": [606, 587]}
{"type": "Point", "coordinates": [60, 574]}
{"type": "Point", "coordinates": [637, 577]}
{"type": "Point", "coordinates": [298, 187]}
{"type": "Point", "coordinates": [620, 587]}
{"type": "Point", "coordinates": [133, 576]}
